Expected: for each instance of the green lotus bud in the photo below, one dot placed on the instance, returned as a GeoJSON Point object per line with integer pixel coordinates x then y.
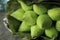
{"type": "Point", "coordinates": [51, 32]}
{"type": "Point", "coordinates": [24, 27]}
{"type": "Point", "coordinates": [25, 7]}
{"type": "Point", "coordinates": [54, 13]}
{"type": "Point", "coordinates": [36, 31]}
{"type": "Point", "coordinates": [58, 25]}
{"type": "Point", "coordinates": [18, 14]}
{"type": "Point", "coordinates": [44, 21]}
{"type": "Point", "coordinates": [39, 9]}
{"type": "Point", "coordinates": [30, 17]}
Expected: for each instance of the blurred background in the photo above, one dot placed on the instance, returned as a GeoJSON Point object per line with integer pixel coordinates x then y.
{"type": "Point", "coordinates": [4, 33]}
{"type": "Point", "coordinates": [2, 4]}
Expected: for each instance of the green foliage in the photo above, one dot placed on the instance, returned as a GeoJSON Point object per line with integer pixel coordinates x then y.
{"type": "Point", "coordinates": [44, 21]}
{"type": "Point", "coordinates": [24, 27]}
{"type": "Point", "coordinates": [24, 6]}
{"type": "Point", "coordinates": [58, 25]}
{"type": "Point", "coordinates": [30, 18]}
{"type": "Point", "coordinates": [13, 24]}
{"type": "Point", "coordinates": [54, 13]}
{"type": "Point", "coordinates": [18, 14]}
{"type": "Point", "coordinates": [52, 32]}
{"type": "Point", "coordinates": [39, 9]}
{"type": "Point", "coordinates": [36, 31]}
